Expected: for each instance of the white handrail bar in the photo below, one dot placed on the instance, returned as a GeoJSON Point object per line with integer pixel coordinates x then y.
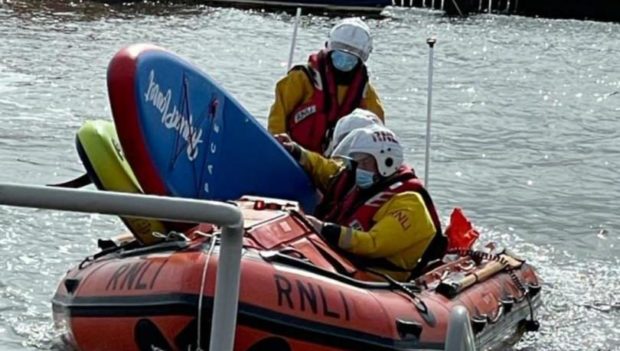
{"type": "Point", "coordinates": [459, 336]}
{"type": "Point", "coordinates": [164, 208]}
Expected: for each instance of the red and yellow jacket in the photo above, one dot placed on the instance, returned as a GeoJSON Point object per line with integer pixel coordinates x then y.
{"type": "Point", "coordinates": [389, 226]}
{"type": "Point", "coordinates": [308, 102]}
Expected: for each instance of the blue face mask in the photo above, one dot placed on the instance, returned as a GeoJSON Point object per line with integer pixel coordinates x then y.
{"type": "Point", "coordinates": [363, 178]}
{"type": "Point", "coordinates": [343, 61]}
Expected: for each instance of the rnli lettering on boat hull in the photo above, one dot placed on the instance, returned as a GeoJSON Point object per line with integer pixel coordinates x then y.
{"type": "Point", "coordinates": [295, 290]}
{"type": "Point", "coordinates": [305, 296]}
{"type": "Point", "coordinates": [134, 276]}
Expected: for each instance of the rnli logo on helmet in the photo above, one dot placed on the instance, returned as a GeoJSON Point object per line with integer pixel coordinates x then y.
{"type": "Point", "coordinates": [382, 136]}
{"type": "Point", "coordinates": [301, 115]}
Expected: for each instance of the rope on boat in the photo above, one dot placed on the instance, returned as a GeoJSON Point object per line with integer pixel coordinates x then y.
{"type": "Point", "coordinates": [202, 288]}
{"type": "Point", "coordinates": [478, 256]}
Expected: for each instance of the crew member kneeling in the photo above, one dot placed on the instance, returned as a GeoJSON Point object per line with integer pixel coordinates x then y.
{"type": "Point", "coordinates": [374, 206]}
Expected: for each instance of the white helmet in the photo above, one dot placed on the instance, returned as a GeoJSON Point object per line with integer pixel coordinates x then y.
{"type": "Point", "coordinates": [351, 35]}
{"type": "Point", "coordinates": [359, 118]}
{"type": "Point", "coordinates": [378, 141]}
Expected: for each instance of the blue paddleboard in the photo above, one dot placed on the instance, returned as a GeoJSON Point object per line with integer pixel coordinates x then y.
{"type": "Point", "coordinates": [185, 136]}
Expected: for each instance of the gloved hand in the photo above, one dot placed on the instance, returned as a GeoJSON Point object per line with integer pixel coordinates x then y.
{"type": "Point", "coordinates": [292, 147]}
{"type": "Point", "coordinates": [286, 141]}
{"type": "Point", "coordinates": [330, 232]}
{"type": "Point", "coordinates": [316, 224]}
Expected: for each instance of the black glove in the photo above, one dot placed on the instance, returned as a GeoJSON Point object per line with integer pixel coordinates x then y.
{"type": "Point", "coordinates": [329, 231]}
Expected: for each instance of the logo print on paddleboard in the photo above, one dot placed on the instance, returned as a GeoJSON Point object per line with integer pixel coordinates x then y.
{"type": "Point", "coordinates": [172, 117]}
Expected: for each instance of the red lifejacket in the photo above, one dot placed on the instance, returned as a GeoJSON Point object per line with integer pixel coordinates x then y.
{"type": "Point", "coordinates": [359, 206]}
{"type": "Point", "coordinates": [353, 207]}
{"type": "Point", "coordinates": [311, 123]}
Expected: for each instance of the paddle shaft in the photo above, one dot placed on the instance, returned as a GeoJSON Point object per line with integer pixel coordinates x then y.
{"type": "Point", "coordinates": [488, 271]}
{"type": "Point", "coordinates": [455, 283]}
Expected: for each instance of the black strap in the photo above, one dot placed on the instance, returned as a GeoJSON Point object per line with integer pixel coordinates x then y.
{"type": "Point", "coordinates": [330, 203]}
{"type": "Point", "coordinates": [308, 71]}
{"type": "Point", "coordinates": [435, 250]}
{"type": "Point", "coordinates": [78, 182]}
{"type": "Point", "coordinates": [382, 263]}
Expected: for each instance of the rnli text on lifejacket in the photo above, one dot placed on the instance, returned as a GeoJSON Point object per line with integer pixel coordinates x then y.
{"type": "Point", "coordinates": [306, 296]}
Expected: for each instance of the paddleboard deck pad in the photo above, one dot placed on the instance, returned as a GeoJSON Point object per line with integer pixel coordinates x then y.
{"type": "Point", "coordinates": [185, 136]}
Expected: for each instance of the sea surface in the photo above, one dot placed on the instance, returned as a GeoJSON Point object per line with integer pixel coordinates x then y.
{"type": "Point", "coordinates": [525, 136]}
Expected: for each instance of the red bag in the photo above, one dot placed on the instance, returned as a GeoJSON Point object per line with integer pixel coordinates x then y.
{"type": "Point", "coordinates": [461, 234]}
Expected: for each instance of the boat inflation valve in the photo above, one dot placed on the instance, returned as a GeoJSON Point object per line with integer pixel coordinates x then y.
{"type": "Point", "coordinates": [534, 289]}
{"type": "Point", "coordinates": [406, 328]}
{"type": "Point", "coordinates": [478, 323]}
{"type": "Point", "coordinates": [507, 303]}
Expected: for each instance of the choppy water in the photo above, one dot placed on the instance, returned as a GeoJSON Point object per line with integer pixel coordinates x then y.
{"type": "Point", "coordinates": [526, 136]}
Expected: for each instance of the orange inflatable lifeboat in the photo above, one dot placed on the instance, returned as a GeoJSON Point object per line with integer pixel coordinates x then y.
{"type": "Point", "coordinates": [296, 294]}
